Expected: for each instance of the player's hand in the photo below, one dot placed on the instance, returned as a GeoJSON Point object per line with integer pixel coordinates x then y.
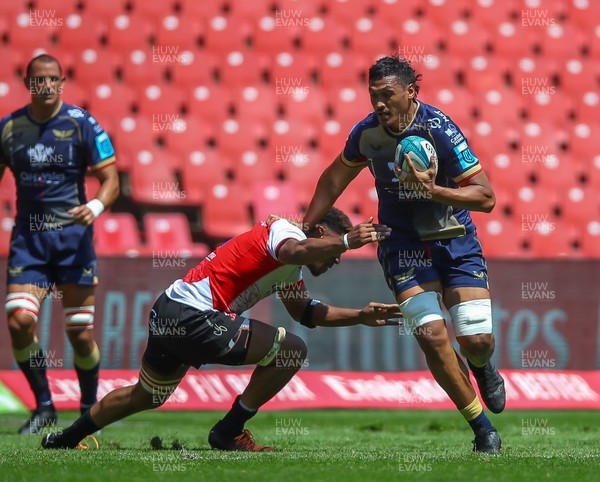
{"type": "Point", "coordinates": [82, 215]}
{"type": "Point", "coordinates": [379, 314]}
{"type": "Point", "coordinates": [367, 232]}
{"type": "Point", "coordinates": [420, 181]}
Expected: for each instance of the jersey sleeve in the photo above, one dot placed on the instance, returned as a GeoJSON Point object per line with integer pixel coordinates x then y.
{"type": "Point", "coordinates": [454, 153]}
{"type": "Point", "coordinates": [280, 231]}
{"type": "Point", "coordinates": [351, 155]}
{"type": "Point", "coordinates": [97, 144]}
{"type": "Point", "coordinates": [3, 160]}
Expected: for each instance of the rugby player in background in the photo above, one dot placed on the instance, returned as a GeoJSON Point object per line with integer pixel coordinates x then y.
{"type": "Point", "coordinates": [433, 255]}
{"type": "Point", "coordinates": [48, 145]}
{"type": "Point", "coordinates": [197, 321]}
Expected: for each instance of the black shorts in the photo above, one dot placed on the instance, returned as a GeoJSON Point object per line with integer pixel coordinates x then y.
{"type": "Point", "coordinates": [180, 334]}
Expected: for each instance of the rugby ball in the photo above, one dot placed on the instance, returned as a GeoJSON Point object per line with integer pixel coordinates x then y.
{"type": "Point", "coordinates": [419, 150]}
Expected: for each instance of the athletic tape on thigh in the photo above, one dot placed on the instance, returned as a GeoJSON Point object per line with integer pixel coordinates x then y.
{"type": "Point", "coordinates": [472, 317]}
{"type": "Point", "coordinates": [422, 308]}
{"type": "Point", "coordinates": [279, 337]}
{"type": "Point", "coordinates": [23, 302]}
{"type": "Point", "coordinates": [158, 387]}
{"type": "Point", "coordinates": [245, 326]}
{"type": "Point", "coordinates": [79, 317]}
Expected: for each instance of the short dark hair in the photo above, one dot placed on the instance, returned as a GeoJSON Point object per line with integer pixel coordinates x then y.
{"type": "Point", "coordinates": [395, 66]}
{"type": "Point", "coordinates": [47, 59]}
{"type": "Point", "coordinates": [337, 221]}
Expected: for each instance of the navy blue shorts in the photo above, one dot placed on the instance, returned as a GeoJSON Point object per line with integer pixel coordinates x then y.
{"type": "Point", "coordinates": [64, 255]}
{"type": "Point", "coordinates": [456, 262]}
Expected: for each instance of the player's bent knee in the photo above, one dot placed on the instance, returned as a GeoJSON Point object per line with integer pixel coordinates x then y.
{"type": "Point", "coordinates": [421, 309]}
{"type": "Point", "coordinates": [477, 345]}
{"type": "Point", "coordinates": [473, 317]}
{"type": "Point", "coordinates": [158, 390]}
{"type": "Point", "coordinates": [79, 318]}
{"type": "Point", "coordinates": [292, 353]}
{"type": "Point", "coordinates": [22, 309]}
{"type": "Point", "coordinates": [278, 339]}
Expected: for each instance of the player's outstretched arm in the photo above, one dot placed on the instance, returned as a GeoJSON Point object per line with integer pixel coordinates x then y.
{"type": "Point", "coordinates": [313, 249]}
{"type": "Point", "coordinates": [313, 313]}
{"type": "Point", "coordinates": [331, 184]}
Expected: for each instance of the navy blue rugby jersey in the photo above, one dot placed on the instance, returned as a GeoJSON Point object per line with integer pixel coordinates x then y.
{"type": "Point", "coordinates": [411, 217]}
{"type": "Point", "coordinates": [49, 160]}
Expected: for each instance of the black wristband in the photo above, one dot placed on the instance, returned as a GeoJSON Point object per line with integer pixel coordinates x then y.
{"type": "Point", "coordinates": [307, 316]}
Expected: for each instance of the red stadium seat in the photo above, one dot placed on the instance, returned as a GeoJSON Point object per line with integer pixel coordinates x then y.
{"type": "Point", "coordinates": [338, 70]}
{"type": "Point", "coordinates": [78, 26]}
{"type": "Point", "coordinates": [271, 37]}
{"type": "Point", "coordinates": [579, 205]}
{"type": "Point", "coordinates": [549, 103]}
{"type": "Point", "coordinates": [561, 41]}
{"type": "Point", "coordinates": [132, 134]}
{"type": "Point", "coordinates": [293, 132]}
{"type": "Point", "coordinates": [533, 209]}
{"type": "Point", "coordinates": [506, 170]}
{"type": "Point", "coordinates": [60, 8]}
{"type": "Point", "coordinates": [106, 10]}
{"type": "Point", "coordinates": [332, 138]}
{"type": "Point", "coordinates": [308, 105]}
{"type": "Point", "coordinates": [590, 241]}
{"type": "Point", "coordinates": [370, 37]}
{"type": "Point", "coordinates": [553, 241]}
{"type": "Point", "coordinates": [202, 168]}
{"type": "Point", "coordinates": [415, 36]}
{"type": "Point", "coordinates": [586, 109]}
{"type": "Point", "coordinates": [510, 40]}
{"type": "Point", "coordinates": [584, 141]}
{"type": "Point", "coordinates": [499, 237]}
{"type": "Point", "coordinates": [13, 95]}
{"type": "Point", "coordinates": [176, 35]}
{"type": "Point", "coordinates": [225, 213]}
{"type": "Point", "coordinates": [290, 71]}
{"type": "Point", "coordinates": [196, 69]}
{"type": "Point", "coordinates": [307, 8]}
{"type": "Point", "coordinates": [251, 11]}
{"type": "Point", "coordinates": [196, 9]}
{"type": "Point", "coordinates": [233, 138]}
{"type": "Point", "coordinates": [322, 34]}
{"type": "Point", "coordinates": [111, 99]}
{"type": "Point", "coordinates": [96, 66]}
{"type": "Point", "coordinates": [152, 179]}
{"type": "Point", "coordinates": [579, 75]}
{"type": "Point", "coordinates": [184, 135]}
{"type": "Point", "coordinates": [140, 66]}
{"type": "Point", "coordinates": [211, 102]}
{"type": "Point", "coordinates": [251, 166]}
{"type": "Point", "coordinates": [160, 100]}
{"type": "Point", "coordinates": [350, 104]}
{"type": "Point", "coordinates": [153, 12]}
{"type": "Point", "coordinates": [492, 106]}
{"type": "Point", "coordinates": [347, 11]}
{"type": "Point", "coordinates": [12, 59]}
{"type": "Point", "coordinates": [6, 225]}
{"type": "Point", "coordinates": [545, 133]}
{"type": "Point", "coordinates": [255, 103]}
{"type": "Point", "coordinates": [482, 74]}
{"type": "Point", "coordinates": [551, 168]}
{"type": "Point", "coordinates": [275, 198]}
{"type": "Point", "coordinates": [458, 38]}
{"type": "Point", "coordinates": [302, 168]}
{"type": "Point", "coordinates": [240, 68]}
{"type": "Point", "coordinates": [23, 30]}
{"type": "Point", "coordinates": [455, 102]}
{"type": "Point", "coordinates": [491, 13]}
{"type": "Point", "coordinates": [128, 32]}
{"type": "Point", "coordinates": [116, 234]}
{"type": "Point", "coordinates": [170, 233]}
{"type": "Point", "coordinates": [223, 35]}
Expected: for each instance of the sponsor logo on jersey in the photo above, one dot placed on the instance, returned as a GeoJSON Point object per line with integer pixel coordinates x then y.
{"type": "Point", "coordinates": [75, 113]}
{"type": "Point", "coordinates": [454, 135]}
{"type": "Point", "coordinates": [63, 135]}
{"type": "Point", "coordinates": [97, 128]}
{"type": "Point", "coordinates": [88, 271]}
{"type": "Point", "coordinates": [92, 121]}
{"type": "Point", "coordinates": [479, 274]}
{"type": "Point", "coordinates": [104, 146]}
{"type": "Point", "coordinates": [442, 115]}
{"type": "Point", "coordinates": [465, 155]}
{"type": "Point", "coordinates": [434, 123]}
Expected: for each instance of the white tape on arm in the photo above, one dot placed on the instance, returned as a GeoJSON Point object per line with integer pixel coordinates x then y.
{"type": "Point", "coordinates": [96, 206]}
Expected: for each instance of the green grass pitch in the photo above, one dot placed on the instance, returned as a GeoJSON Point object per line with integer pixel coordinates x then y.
{"type": "Point", "coordinates": [318, 446]}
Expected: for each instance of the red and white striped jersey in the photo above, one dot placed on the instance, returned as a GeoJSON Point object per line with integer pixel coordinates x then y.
{"type": "Point", "coordinates": [241, 272]}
